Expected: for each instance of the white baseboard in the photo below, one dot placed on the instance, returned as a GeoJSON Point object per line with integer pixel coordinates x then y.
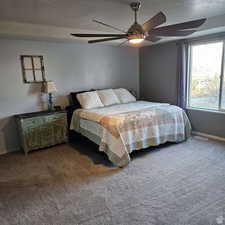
{"type": "Point", "coordinates": [208, 136]}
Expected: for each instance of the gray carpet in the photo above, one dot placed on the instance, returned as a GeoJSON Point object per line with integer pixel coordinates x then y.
{"type": "Point", "coordinates": [174, 184]}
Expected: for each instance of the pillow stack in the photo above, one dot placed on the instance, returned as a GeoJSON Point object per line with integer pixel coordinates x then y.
{"type": "Point", "coordinates": [95, 99]}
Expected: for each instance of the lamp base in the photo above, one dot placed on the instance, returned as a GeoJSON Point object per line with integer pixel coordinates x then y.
{"type": "Point", "coordinates": [50, 103]}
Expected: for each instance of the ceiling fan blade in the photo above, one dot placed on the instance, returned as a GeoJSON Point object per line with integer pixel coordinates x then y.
{"type": "Point", "coordinates": [155, 21]}
{"type": "Point", "coordinates": [182, 26]}
{"type": "Point", "coordinates": [122, 43]}
{"type": "Point", "coordinates": [152, 38]}
{"type": "Point", "coordinates": [171, 33]}
{"type": "Point", "coordinates": [110, 26]}
{"type": "Point", "coordinates": [106, 39]}
{"type": "Point", "coordinates": [98, 35]}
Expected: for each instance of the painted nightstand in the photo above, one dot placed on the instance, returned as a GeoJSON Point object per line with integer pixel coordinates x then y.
{"type": "Point", "coordinates": [42, 129]}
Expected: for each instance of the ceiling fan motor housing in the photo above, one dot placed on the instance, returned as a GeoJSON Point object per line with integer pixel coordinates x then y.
{"type": "Point", "coordinates": [136, 32]}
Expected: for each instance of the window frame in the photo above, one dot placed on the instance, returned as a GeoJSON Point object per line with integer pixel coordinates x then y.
{"type": "Point", "coordinates": [33, 69]}
{"type": "Point", "coordinates": [189, 77]}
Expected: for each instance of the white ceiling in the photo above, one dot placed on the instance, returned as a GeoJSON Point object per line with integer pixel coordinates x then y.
{"type": "Point", "coordinates": [55, 19]}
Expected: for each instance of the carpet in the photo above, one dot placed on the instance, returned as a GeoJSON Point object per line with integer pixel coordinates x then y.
{"type": "Point", "coordinates": [173, 184]}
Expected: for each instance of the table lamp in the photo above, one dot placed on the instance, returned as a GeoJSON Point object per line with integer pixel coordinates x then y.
{"type": "Point", "coordinates": [49, 87]}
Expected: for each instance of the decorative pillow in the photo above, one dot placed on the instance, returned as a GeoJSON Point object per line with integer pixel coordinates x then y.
{"type": "Point", "coordinates": [124, 95]}
{"type": "Point", "coordinates": [89, 100]}
{"type": "Point", "coordinates": [108, 97]}
{"type": "Point", "coordinates": [73, 98]}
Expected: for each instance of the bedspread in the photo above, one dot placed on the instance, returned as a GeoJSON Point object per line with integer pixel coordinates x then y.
{"type": "Point", "coordinates": [139, 127]}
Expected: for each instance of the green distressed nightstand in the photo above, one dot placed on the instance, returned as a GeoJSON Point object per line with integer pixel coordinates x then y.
{"type": "Point", "coordinates": [42, 129]}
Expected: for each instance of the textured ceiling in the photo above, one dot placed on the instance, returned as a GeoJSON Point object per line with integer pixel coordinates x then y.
{"type": "Point", "coordinates": [78, 14]}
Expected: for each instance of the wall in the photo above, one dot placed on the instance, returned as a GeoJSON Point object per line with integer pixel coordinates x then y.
{"type": "Point", "coordinates": [158, 78]}
{"type": "Point", "coordinates": [73, 67]}
{"type": "Point", "coordinates": [158, 82]}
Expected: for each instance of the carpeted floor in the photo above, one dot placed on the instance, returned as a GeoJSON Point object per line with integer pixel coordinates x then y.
{"type": "Point", "coordinates": [174, 184]}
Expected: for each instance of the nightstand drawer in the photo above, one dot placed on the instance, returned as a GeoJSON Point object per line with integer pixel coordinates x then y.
{"type": "Point", "coordinates": [32, 123]}
{"type": "Point", "coordinates": [53, 118]}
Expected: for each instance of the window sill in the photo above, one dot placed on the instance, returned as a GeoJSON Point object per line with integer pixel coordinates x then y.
{"type": "Point", "coordinates": [206, 110]}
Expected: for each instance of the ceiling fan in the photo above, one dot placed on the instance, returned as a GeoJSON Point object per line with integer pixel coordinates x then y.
{"type": "Point", "coordinates": [148, 31]}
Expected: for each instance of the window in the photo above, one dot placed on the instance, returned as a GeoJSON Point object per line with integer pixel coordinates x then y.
{"type": "Point", "coordinates": [206, 84]}
{"type": "Point", "coordinates": [32, 68]}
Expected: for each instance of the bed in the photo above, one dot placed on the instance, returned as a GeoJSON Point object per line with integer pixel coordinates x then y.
{"type": "Point", "coordinates": [121, 128]}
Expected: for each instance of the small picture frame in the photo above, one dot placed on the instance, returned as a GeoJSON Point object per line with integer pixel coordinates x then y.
{"type": "Point", "coordinates": [33, 70]}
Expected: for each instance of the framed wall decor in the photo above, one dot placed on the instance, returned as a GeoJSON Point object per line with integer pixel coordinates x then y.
{"type": "Point", "coordinates": [33, 70]}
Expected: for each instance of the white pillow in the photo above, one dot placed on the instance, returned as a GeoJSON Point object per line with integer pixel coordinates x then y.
{"type": "Point", "coordinates": [124, 95]}
{"type": "Point", "coordinates": [108, 97]}
{"type": "Point", "coordinates": [89, 100]}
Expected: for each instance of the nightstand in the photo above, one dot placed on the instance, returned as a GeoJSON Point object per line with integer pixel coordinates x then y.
{"type": "Point", "coordinates": [42, 129]}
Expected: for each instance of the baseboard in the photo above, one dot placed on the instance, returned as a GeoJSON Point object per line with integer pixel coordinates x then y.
{"type": "Point", "coordinates": [208, 136]}
{"type": "Point", "coordinates": [5, 151]}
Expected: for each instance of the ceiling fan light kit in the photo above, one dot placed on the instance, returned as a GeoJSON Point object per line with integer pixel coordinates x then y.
{"type": "Point", "coordinates": [136, 40]}
{"type": "Point", "coordinates": [148, 31]}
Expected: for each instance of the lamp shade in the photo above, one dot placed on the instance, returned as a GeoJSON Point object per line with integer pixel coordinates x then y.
{"type": "Point", "coordinates": [49, 87]}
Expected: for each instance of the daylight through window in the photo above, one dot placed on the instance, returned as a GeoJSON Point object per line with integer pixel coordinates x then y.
{"type": "Point", "coordinates": [206, 84]}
